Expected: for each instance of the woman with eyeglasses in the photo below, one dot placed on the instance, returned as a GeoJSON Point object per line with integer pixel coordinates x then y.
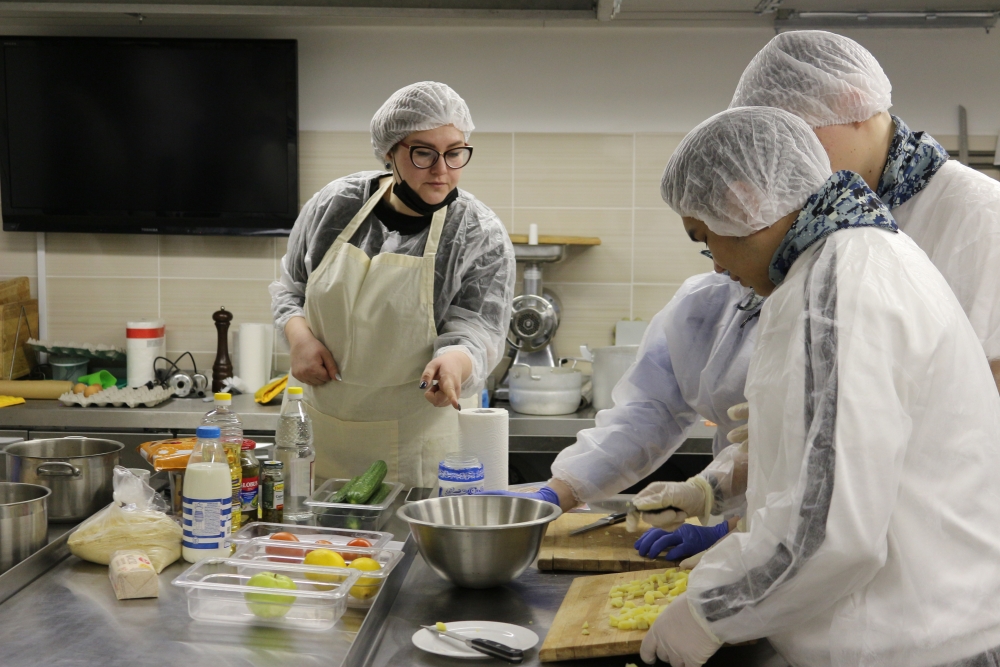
{"type": "Point", "coordinates": [395, 294]}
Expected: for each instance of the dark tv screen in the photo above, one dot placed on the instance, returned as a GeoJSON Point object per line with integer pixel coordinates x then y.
{"type": "Point", "coordinates": [170, 136]}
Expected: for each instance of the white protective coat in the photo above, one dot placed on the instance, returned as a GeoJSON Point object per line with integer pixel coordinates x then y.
{"type": "Point", "coordinates": [872, 535]}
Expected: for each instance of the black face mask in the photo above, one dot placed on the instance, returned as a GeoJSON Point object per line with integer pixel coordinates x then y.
{"type": "Point", "coordinates": [414, 202]}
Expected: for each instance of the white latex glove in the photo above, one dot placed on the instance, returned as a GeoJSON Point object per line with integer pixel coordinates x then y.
{"type": "Point", "coordinates": [739, 412]}
{"type": "Point", "coordinates": [691, 498]}
{"type": "Point", "coordinates": [678, 638]}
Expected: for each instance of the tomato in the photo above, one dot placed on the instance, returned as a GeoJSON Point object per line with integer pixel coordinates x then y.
{"type": "Point", "coordinates": [281, 551]}
{"type": "Point", "coordinates": [357, 542]}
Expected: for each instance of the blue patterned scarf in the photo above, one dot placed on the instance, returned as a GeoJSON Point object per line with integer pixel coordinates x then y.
{"type": "Point", "coordinates": [914, 157]}
{"type": "Point", "coordinates": [844, 201]}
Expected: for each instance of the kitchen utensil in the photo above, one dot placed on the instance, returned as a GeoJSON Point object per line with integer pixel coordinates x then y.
{"type": "Point", "coordinates": [345, 515]}
{"type": "Point", "coordinates": [514, 636]}
{"type": "Point", "coordinates": [77, 469]}
{"type": "Point", "coordinates": [68, 368]}
{"type": "Point", "coordinates": [485, 646]}
{"type": "Point", "coordinates": [544, 390]}
{"type": "Point", "coordinates": [609, 520]}
{"type": "Point", "coordinates": [587, 601]}
{"type": "Point", "coordinates": [608, 550]}
{"type": "Point", "coordinates": [610, 365]}
{"type": "Point", "coordinates": [478, 541]}
{"type": "Point", "coordinates": [39, 389]}
{"type": "Point", "coordinates": [23, 522]}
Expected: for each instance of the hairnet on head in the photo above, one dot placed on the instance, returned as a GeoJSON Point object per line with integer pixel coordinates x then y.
{"type": "Point", "coordinates": [419, 106]}
{"type": "Point", "coordinates": [821, 77]}
{"type": "Point", "coordinates": [744, 169]}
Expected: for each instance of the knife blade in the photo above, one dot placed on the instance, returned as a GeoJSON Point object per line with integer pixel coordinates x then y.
{"type": "Point", "coordinates": [487, 646]}
{"type": "Point", "coordinates": [609, 520]}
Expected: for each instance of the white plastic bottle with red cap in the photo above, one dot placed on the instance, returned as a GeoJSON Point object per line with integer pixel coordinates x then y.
{"type": "Point", "coordinates": [146, 340]}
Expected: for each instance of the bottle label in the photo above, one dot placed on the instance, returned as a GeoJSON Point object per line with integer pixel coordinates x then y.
{"type": "Point", "coordinates": [207, 523]}
{"type": "Point", "coordinates": [274, 496]}
{"type": "Point", "coordinates": [248, 494]}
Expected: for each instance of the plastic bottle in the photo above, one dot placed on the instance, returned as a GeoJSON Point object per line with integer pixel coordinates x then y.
{"type": "Point", "coordinates": [249, 494]}
{"type": "Point", "coordinates": [207, 499]}
{"type": "Point", "coordinates": [231, 429]}
{"type": "Point", "coordinates": [294, 444]}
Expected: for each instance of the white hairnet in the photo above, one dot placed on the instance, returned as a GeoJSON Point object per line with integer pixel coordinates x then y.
{"type": "Point", "coordinates": [420, 106]}
{"type": "Point", "coordinates": [744, 169]}
{"type": "Point", "coordinates": [823, 78]}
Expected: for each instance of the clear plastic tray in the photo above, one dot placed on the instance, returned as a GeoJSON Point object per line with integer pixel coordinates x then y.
{"type": "Point", "coordinates": [217, 588]}
{"type": "Point", "coordinates": [337, 536]}
{"type": "Point", "coordinates": [360, 595]}
{"type": "Point", "coordinates": [345, 515]}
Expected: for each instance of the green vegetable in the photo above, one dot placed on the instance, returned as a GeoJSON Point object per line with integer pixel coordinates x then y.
{"type": "Point", "coordinates": [341, 495]}
{"type": "Point", "coordinates": [379, 496]}
{"type": "Point", "coordinates": [366, 485]}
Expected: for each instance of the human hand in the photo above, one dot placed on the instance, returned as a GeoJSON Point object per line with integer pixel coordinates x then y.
{"type": "Point", "coordinates": [690, 498]}
{"type": "Point", "coordinates": [450, 370]}
{"type": "Point", "coordinates": [678, 638]}
{"type": "Point", "coordinates": [311, 361]}
{"type": "Point", "coordinates": [684, 542]}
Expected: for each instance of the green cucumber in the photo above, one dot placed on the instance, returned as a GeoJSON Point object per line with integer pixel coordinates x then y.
{"type": "Point", "coordinates": [367, 483]}
{"type": "Point", "coordinates": [379, 497]}
{"type": "Point", "coordinates": [340, 496]}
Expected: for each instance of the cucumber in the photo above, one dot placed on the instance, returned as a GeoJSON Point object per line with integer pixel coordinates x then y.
{"type": "Point", "coordinates": [379, 496]}
{"type": "Point", "coordinates": [367, 483]}
{"type": "Point", "coordinates": [340, 496]}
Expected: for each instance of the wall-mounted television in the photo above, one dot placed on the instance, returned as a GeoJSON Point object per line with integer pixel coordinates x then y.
{"type": "Point", "coordinates": [149, 136]}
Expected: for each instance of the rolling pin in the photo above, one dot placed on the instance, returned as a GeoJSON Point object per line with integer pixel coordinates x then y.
{"type": "Point", "coordinates": [35, 388]}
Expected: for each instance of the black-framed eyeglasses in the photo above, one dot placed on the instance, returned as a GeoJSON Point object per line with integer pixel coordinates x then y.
{"type": "Point", "coordinates": [707, 253]}
{"type": "Point", "coordinates": [424, 157]}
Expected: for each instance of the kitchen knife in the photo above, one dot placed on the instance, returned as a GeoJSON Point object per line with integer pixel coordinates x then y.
{"type": "Point", "coordinates": [487, 646]}
{"type": "Point", "coordinates": [609, 520]}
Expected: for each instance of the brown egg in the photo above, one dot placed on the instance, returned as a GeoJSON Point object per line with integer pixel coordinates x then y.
{"type": "Point", "coordinates": [79, 388]}
{"type": "Point", "coordinates": [91, 390]}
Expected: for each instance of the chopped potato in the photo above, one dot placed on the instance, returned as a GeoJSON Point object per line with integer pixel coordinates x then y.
{"type": "Point", "coordinates": [441, 626]}
{"type": "Point", "coordinates": [651, 596]}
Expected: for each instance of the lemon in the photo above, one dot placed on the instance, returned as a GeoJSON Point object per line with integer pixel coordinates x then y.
{"type": "Point", "coordinates": [325, 558]}
{"type": "Point", "coordinates": [366, 587]}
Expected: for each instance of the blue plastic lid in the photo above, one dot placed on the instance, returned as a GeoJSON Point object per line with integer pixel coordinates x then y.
{"type": "Point", "coordinates": [211, 432]}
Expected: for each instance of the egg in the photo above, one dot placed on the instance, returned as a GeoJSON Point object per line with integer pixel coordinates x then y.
{"type": "Point", "coordinates": [79, 388]}
{"type": "Point", "coordinates": [91, 390]}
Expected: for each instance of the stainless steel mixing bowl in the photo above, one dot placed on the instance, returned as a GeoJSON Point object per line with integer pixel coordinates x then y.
{"type": "Point", "coordinates": [478, 541]}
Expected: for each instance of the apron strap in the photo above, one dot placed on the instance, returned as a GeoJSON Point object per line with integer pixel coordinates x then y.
{"type": "Point", "coordinates": [437, 224]}
{"type": "Point", "coordinates": [361, 216]}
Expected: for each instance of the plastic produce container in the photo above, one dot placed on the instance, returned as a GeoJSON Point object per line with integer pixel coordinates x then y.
{"type": "Point", "coordinates": [345, 515]}
{"type": "Point", "coordinates": [217, 592]}
{"type": "Point", "coordinates": [337, 536]}
{"type": "Point", "coordinates": [360, 595]}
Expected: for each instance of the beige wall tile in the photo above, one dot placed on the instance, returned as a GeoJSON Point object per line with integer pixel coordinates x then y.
{"type": "Point", "coordinates": [17, 254]}
{"type": "Point", "coordinates": [506, 216]}
{"type": "Point", "coordinates": [589, 315]}
{"type": "Point", "coordinates": [326, 156]}
{"type": "Point", "coordinates": [235, 257]}
{"type": "Point", "coordinates": [648, 300]}
{"type": "Point", "coordinates": [202, 360]}
{"type": "Point", "coordinates": [95, 310]}
{"type": "Point", "coordinates": [488, 176]}
{"type": "Point", "coordinates": [651, 154]}
{"type": "Point", "coordinates": [187, 307]}
{"type": "Point", "coordinates": [610, 262]}
{"type": "Point", "coordinates": [124, 255]}
{"type": "Point", "coordinates": [663, 251]}
{"type": "Point", "coordinates": [588, 170]}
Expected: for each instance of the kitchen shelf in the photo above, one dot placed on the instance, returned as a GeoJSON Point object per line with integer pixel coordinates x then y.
{"type": "Point", "coordinates": [522, 239]}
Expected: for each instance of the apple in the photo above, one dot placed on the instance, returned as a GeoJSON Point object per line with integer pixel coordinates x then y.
{"type": "Point", "coordinates": [267, 605]}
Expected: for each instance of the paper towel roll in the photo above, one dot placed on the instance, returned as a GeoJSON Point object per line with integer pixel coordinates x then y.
{"type": "Point", "coordinates": [483, 434]}
{"type": "Point", "coordinates": [255, 347]}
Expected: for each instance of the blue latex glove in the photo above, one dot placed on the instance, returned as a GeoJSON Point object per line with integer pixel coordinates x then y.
{"type": "Point", "coordinates": [686, 541]}
{"type": "Point", "coordinates": [544, 493]}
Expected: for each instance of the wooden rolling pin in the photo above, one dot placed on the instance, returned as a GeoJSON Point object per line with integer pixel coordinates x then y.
{"type": "Point", "coordinates": [35, 388]}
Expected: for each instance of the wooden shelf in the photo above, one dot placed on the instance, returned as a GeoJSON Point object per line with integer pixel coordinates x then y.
{"type": "Point", "coordinates": [522, 239]}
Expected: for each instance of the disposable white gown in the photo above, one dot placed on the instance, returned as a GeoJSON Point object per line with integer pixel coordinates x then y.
{"type": "Point", "coordinates": [692, 361]}
{"type": "Point", "coordinates": [872, 499]}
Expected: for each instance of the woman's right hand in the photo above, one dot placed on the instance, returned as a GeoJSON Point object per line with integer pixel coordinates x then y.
{"type": "Point", "coordinates": [312, 362]}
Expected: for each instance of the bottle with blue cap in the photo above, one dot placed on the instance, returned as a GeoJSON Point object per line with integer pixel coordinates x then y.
{"type": "Point", "coordinates": [206, 495]}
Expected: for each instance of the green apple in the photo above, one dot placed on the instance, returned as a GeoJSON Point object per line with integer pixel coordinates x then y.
{"type": "Point", "coordinates": [267, 605]}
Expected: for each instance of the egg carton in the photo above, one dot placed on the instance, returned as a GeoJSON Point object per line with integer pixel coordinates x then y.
{"type": "Point", "coordinates": [109, 354]}
{"type": "Point", "coordinates": [115, 397]}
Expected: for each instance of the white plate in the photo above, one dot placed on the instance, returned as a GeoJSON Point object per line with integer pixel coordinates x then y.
{"type": "Point", "coordinates": [512, 635]}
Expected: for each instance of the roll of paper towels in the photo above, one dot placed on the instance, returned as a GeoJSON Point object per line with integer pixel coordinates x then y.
{"type": "Point", "coordinates": [482, 432]}
{"type": "Point", "coordinates": [255, 346]}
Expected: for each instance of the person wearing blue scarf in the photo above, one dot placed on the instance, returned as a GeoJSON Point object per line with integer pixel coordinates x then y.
{"type": "Point", "coordinates": [863, 359]}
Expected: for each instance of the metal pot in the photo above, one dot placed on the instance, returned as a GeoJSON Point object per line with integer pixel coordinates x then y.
{"type": "Point", "coordinates": [544, 390]}
{"type": "Point", "coordinates": [23, 522]}
{"type": "Point", "coordinates": [77, 469]}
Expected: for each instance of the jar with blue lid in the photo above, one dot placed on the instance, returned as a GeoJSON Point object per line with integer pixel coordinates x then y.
{"type": "Point", "coordinates": [460, 475]}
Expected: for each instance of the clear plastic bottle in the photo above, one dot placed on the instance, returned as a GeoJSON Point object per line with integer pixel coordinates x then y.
{"type": "Point", "coordinates": [231, 429]}
{"type": "Point", "coordinates": [294, 444]}
{"type": "Point", "coordinates": [207, 499]}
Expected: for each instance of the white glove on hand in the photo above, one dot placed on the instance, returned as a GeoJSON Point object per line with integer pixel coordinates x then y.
{"type": "Point", "coordinates": [678, 638]}
{"type": "Point", "coordinates": [691, 498]}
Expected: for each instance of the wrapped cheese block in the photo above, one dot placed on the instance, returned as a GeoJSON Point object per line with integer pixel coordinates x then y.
{"type": "Point", "coordinates": [132, 575]}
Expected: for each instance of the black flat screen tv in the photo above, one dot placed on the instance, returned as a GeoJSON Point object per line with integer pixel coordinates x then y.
{"type": "Point", "coordinates": [149, 136]}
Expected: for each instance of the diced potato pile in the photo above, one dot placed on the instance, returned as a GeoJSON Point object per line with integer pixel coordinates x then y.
{"type": "Point", "coordinates": [655, 592]}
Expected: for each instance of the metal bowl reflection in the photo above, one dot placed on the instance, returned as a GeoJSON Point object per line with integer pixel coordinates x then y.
{"type": "Point", "coordinates": [478, 541]}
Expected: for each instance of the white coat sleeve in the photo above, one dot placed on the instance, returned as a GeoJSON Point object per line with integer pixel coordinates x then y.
{"type": "Point", "coordinates": [288, 292]}
{"type": "Point", "coordinates": [830, 483]}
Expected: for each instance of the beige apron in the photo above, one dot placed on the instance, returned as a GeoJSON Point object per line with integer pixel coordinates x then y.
{"type": "Point", "coordinates": [376, 315]}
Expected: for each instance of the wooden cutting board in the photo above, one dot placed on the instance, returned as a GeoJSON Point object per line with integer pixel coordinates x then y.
{"type": "Point", "coordinates": [588, 601]}
{"type": "Point", "coordinates": [609, 549]}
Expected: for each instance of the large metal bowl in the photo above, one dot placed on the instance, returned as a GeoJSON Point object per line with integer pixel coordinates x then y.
{"type": "Point", "coordinates": [478, 541]}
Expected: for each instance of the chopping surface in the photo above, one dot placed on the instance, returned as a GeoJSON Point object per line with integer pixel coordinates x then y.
{"type": "Point", "coordinates": [606, 549]}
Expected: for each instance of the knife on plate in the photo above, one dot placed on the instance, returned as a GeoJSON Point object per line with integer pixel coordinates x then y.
{"type": "Point", "coordinates": [487, 646]}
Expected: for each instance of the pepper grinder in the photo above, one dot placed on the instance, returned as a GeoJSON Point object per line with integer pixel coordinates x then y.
{"type": "Point", "coordinates": [222, 369]}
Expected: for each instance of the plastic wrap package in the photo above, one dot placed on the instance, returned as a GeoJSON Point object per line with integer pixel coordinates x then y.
{"type": "Point", "coordinates": [136, 519]}
{"type": "Point", "coordinates": [168, 454]}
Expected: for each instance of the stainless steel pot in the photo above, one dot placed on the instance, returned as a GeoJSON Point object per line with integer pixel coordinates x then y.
{"type": "Point", "coordinates": [78, 470]}
{"type": "Point", "coordinates": [23, 522]}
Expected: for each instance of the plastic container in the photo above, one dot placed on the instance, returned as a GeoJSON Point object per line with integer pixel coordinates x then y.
{"type": "Point", "coordinates": [207, 499]}
{"type": "Point", "coordinates": [460, 476]}
{"type": "Point", "coordinates": [345, 515]}
{"type": "Point", "coordinates": [68, 368]}
{"type": "Point", "coordinates": [308, 534]}
{"type": "Point", "coordinates": [361, 594]}
{"type": "Point", "coordinates": [216, 590]}
{"type": "Point", "coordinates": [294, 448]}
